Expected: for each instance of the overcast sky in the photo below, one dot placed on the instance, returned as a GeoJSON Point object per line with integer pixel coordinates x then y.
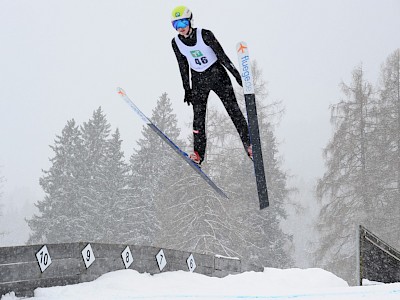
{"type": "Point", "coordinates": [63, 59]}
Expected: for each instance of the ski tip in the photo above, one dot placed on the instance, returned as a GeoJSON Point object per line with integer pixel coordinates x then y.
{"type": "Point", "coordinates": [120, 91]}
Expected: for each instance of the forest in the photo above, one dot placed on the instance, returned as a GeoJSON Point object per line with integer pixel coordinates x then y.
{"type": "Point", "coordinates": [94, 193]}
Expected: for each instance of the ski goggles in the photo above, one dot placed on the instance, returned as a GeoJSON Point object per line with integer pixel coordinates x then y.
{"type": "Point", "coordinates": [181, 23]}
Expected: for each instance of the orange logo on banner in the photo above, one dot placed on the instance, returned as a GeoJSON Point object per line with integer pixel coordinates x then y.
{"type": "Point", "coordinates": [241, 48]}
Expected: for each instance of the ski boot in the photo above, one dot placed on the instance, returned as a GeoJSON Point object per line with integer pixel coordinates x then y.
{"type": "Point", "coordinates": [195, 157]}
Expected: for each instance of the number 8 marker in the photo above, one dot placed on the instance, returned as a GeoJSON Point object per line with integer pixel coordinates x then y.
{"type": "Point", "coordinates": [127, 257]}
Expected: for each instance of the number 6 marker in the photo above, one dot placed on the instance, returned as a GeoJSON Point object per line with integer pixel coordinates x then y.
{"type": "Point", "coordinates": [191, 263]}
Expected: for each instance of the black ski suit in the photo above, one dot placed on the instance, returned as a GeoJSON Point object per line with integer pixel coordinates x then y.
{"type": "Point", "coordinates": [216, 79]}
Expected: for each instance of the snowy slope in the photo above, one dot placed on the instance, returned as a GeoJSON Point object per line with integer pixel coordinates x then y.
{"type": "Point", "coordinates": [271, 284]}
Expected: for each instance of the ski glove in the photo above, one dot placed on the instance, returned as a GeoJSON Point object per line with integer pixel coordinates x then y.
{"type": "Point", "coordinates": [188, 97]}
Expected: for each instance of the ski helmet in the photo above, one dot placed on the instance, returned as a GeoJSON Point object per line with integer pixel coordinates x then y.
{"type": "Point", "coordinates": [181, 12]}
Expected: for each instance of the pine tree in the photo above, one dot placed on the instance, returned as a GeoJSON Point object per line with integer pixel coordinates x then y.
{"type": "Point", "coordinates": [157, 171]}
{"type": "Point", "coordinates": [388, 152]}
{"type": "Point", "coordinates": [117, 196]}
{"type": "Point", "coordinates": [347, 189]}
{"type": "Point", "coordinates": [87, 191]}
{"type": "Point", "coordinates": [95, 134]}
{"type": "Point", "coordinates": [59, 210]}
{"type": "Point", "coordinates": [109, 194]}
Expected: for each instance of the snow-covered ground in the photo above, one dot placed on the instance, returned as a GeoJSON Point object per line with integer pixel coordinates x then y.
{"type": "Point", "coordinates": [270, 284]}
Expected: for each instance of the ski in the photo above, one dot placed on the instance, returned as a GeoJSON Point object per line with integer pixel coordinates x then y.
{"type": "Point", "coordinates": [250, 99]}
{"type": "Point", "coordinates": [166, 139]}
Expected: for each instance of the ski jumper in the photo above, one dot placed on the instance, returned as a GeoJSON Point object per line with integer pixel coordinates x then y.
{"type": "Point", "coordinates": [203, 55]}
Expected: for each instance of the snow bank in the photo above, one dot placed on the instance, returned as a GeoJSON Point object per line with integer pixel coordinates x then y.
{"type": "Point", "coordinates": [271, 284]}
{"type": "Point", "coordinates": [129, 284]}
